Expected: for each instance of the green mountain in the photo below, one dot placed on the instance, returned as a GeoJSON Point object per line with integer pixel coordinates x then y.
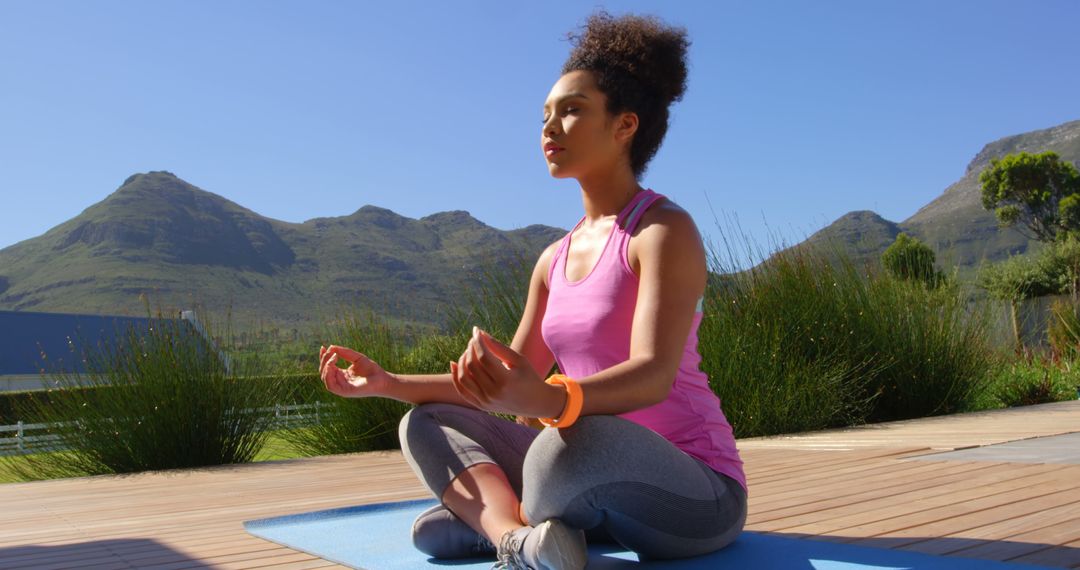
{"type": "Point", "coordinates": [955, 225]}
{"type": "Point", "coordinates": [159, 235]}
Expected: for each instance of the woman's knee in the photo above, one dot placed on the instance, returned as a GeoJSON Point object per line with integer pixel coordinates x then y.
{"type": "Point", "coordinates": [589, 439]}
{"type": "Point", "coordinates": [415, 421]}
{"type": "Point", "coordinates": [558, 457]}
{"type": "Point", "coordinates": [424, 422]}
{"type": "Point", "coordinates": [421, 413]}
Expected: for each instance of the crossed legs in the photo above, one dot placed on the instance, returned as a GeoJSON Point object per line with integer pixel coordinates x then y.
{"type": "Point", "coordinates": [614, 478]}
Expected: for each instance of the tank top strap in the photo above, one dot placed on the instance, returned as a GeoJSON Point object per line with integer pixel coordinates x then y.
{"type": "Point", "coordinates": [555, 259]}
{"type": "Point", "coordinates": [632, 206]}
{"type": "Point", "coordinates": [634, 215]}
{"type": "Point", "coordinates": [639, 209]}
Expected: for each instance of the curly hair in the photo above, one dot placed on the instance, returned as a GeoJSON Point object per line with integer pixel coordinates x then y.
{"type": "Point", "coordinates": [640, 65]}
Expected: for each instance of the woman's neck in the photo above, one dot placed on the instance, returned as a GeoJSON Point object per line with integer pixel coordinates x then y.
{"type": "Point", "coordinates": [606, 195]}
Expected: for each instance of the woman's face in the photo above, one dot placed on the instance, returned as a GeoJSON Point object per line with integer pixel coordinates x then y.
{"type": "Point", "coordinates": [576, 121]}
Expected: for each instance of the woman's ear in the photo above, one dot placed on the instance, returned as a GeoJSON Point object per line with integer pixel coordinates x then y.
{"type": "Point", "coordinates": [627, 126]}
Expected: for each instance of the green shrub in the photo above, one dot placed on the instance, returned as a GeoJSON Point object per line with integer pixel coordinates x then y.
{"type": "Point", "coordinates": [1030, 379]}
{"type": "Point", "coordinates": [775, 341]}
{"type": "Point", "coordinates": [154, 399]}
{"type": "Point", "coordinates": [804, 340]}
{"type": "Point", "coordinates": [356, 424]}
{"type": "Point", "coordinates": [909, 258]}
{"type": "Point", "coordinates": [937, 341]}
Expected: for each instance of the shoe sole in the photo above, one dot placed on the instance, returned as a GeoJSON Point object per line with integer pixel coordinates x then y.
{"type": "Point", "coordinates": [563, 548]}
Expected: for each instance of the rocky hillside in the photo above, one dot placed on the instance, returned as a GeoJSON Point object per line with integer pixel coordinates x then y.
{"type": "Point", "coordinates": [160, 235]}
{"type": "Point", "coordinates": [954, 224]}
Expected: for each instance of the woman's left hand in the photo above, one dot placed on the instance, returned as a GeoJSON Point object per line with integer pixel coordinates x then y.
{"type": "Point", "coordinates": [496, 378]}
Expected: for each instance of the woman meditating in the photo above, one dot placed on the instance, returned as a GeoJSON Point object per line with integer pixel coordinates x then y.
{"type": "Point", "coordinates": [627, 444]}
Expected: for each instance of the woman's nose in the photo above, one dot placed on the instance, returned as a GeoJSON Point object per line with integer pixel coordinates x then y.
{"type": "Point", "coordinates": [549, 126]}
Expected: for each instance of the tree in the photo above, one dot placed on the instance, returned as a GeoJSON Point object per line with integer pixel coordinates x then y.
{"type": "Point", "coordinates": [1038, 190]}
{"type": "Point", "coordinates": [909, 258]}
{"type": "Point", "coordinates": [1052, 271]}
{"type": "Point", "coordinates": [1017, 278]}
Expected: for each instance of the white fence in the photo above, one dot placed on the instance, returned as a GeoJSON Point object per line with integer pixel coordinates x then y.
{"type": "Point", "coordinates": [26, 435]}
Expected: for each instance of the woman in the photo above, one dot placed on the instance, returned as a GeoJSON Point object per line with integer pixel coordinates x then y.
{"type": "Point", "coordinates": [636, 449]}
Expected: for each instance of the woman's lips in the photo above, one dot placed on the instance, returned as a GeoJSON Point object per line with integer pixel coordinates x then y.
{"type": "Point", "coordinates": [553, 150]}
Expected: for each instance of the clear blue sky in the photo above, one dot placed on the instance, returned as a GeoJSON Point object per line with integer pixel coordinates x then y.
{"type": "Point", "coordinates": [795, 113]}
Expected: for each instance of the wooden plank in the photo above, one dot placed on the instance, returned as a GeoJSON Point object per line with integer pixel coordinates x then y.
{"type": "Point", "coordinates": [951, 518]}
{"type": "Point", "coordinates": [1010, 538]}
{"type": "Point", "coordinates": [873, 494]}
{"type": "Point", "coordinates": [954, 431]}
{"type": "Point", "coordinates": [888, 499]}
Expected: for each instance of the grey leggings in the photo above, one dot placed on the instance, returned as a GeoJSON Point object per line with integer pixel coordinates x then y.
{"type": "Point", "coordinates": [618, 480]}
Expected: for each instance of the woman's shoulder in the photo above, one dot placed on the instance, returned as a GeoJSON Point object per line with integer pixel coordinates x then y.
{"type": "Point", "coordinates": [546, 258]}
{"type": "Point", "coordinates": [664, 212]}
{"type": "Point", "coordinates": [665, 226]}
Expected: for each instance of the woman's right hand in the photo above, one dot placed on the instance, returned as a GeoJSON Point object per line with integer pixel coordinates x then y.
{"type": "Point", "coordinates": [364, 378]}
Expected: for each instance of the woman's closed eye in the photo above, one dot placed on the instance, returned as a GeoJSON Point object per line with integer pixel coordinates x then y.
{"type": "Point", "coordinates": [568, 110]}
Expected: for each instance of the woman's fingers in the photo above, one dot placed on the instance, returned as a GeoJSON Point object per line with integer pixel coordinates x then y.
{"type": "Point", "coordinates": [466, 383]}
{"type": "Point", "coordinates": [324, 359]}
{"type": "Point", "coordinates": [326, 363]}
{"type": "Point", "coordinates": [469, 381]}
{"type": "Point", "coordinates": [346, 353]}
{"type": "Point", "coordinates": [325, 355]}
{"type": "Point", "coordinates": [322, 363]}
{"type": "Point", "coordinates": [326, 372]}
{"type": "Point", "coordinates": [455, 374]}
{"type": "Point", "coordinates": [341, 352]}
{"type": "Point", "coordinates": [338, 380]}
{"type": "Point", "coordinates": [479, 370]}
{"type": "Point", "coordinates": [454, 369]}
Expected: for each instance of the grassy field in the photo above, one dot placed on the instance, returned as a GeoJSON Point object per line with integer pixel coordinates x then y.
{"type": "Point", "coordinates": [276, 448]}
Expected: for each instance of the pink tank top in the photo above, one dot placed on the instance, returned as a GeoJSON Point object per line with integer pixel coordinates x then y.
{"type": "Point", "coordinates": [587, 328]}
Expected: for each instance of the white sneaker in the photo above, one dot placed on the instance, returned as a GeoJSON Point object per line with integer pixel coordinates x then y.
{"type": "Point", "coordinates": [551, 545]}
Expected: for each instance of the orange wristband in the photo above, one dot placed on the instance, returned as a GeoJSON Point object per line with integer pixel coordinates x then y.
{"type": "Point", "coordinates": [574, 401]}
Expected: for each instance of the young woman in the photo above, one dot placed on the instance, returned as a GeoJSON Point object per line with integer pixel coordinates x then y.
{"type": "Point", "coordinates": [634, 447]}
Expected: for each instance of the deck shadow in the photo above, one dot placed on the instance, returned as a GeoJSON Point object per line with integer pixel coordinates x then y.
{"type": "Point", "coordinates": [98, 554]}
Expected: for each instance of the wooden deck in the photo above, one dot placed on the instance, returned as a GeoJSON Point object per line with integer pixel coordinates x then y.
{"type": "Point", "coordinates": [857, 485]}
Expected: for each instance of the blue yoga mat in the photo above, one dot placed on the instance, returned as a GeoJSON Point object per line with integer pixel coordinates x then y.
{"type": "Point", "coordinates": [377, 537]}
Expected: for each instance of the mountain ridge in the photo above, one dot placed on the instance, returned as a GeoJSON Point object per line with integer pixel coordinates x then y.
{"type": "Point", "coordinates": [158, 233]}
{"type": "Point", "coordinates": [954, 224]}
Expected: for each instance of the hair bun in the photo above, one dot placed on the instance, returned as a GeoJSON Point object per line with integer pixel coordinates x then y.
{"type": "Point", "coordinates": [642, 46]}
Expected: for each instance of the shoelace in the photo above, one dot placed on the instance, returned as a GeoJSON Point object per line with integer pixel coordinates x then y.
{"type": "Point", "coordinates": [509, 552]}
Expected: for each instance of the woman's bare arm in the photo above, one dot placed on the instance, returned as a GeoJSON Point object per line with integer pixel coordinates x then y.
{"type": "Point", "coordinates": [423, 388]}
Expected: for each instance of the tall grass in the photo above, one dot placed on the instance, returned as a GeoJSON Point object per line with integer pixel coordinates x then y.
{"type": "Point", "coordinates": [778, 345]}
{"type": "Point", "coordinates": [938, 342]}
{"type": "Point", "coordinates": [160, 398]}
{"type": "Point", "coordinates": [356, 424]}
{"type": "Point", "coordinates": [805, 340]}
